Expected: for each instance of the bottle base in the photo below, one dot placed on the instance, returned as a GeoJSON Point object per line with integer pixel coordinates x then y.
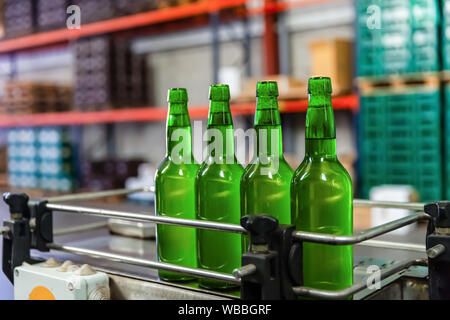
{"type": "Point", "coordinates": [216, 285]}
{"type": "Point", "coordinates": [174, 277]}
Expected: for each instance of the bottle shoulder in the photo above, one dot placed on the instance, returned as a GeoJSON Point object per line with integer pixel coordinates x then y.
{"type": "Point", "coordinates": [218, 170]}
{"type": "Point", "coordinates": [168, 167]}
{"type": "Point", "coordinates": [329, 169]}
{"type": "Point", "coordinates": [269, 171]}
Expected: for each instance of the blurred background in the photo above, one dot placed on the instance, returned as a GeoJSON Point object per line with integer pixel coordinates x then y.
{"type": "Point", "coordinates": [84, 109]}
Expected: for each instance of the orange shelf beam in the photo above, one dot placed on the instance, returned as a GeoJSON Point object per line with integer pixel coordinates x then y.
{"type": "Point", "coordinates": [146, 19]}
{"type": "Point", "coordinates": [118, 24]}
{"type": "Point", "coordinates": [150, 114]}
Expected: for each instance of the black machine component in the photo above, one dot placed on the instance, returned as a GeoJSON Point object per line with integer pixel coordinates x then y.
{"type": "Point", "coordinates": [438, 249]}
{"type": "Point", "coordinates": [41, 225]}
{"type": "Point", "coordinates": [276, 260]}
{"type": "Point", "coordinates": [16, 241]}
{"type": "Point", "coordinates": [30, 227]}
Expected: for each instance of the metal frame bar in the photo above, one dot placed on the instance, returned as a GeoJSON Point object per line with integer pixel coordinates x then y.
{"type": "Point", "coordinates": [148, 218]}
{"type": "Point", "coordinates": [394, 245]}
{"type": "Point", "coordinates": [270, 41]}
{"type": "Point", "coordinates": [360, 236]}
{"type": "Point", "coordinates": [101, 194]}
{"type": "Point", "coordinates": [298, 235]}
{"type": "Point", "coordinates": [146, 263]}
{"type": "Point", "coordinates": [415, 206]}
{"type": "Point", "coordinates": [82, 228]}
{"type": "Point", "coordinates": [214, 23]}
{"type": "Point", "coordinates": [342, 294]}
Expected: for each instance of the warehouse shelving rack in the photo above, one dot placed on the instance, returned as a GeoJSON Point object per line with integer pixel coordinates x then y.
{"type": "Point", "coordinates": [349, 102]}
{"type": "Point", "coordinates": [157, 18]}
{"type": "Point", "coordinates": [145, 19]}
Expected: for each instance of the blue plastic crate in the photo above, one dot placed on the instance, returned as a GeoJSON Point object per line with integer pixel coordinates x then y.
{"type": "Point", "coordinates": [406, 42]}
{"type": "Point", "coordinates": [400, 137]}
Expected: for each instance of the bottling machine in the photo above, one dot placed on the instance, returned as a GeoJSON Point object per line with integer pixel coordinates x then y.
{"type": "Point", "coordinates": [271, 269]}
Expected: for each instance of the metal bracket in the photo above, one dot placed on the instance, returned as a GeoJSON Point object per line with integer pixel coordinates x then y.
{"type": "Point", "coordinates": [264, 282]}
{"type": "Point", "coordinates": [272, 266]}
{"type": "Point", "coordinates": [41, 225]}
{"type": "Point", "coordinates": [260, 274]}
{"type": "Point", "coordinates": [290, 260]}
{"type": "Point", "coordinates": [30, 227]}
{"type": "Point", "coordinates": [16, 241]}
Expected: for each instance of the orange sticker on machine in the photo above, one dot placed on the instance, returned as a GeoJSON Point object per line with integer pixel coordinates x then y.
{"type": "Point", "coordinates": [41, 293]}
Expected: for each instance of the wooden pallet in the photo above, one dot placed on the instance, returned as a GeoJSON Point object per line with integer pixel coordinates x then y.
{"type": "Point", "coordinates": [368, 85]}
{"type": "Point", "coordinates": [24, 97]}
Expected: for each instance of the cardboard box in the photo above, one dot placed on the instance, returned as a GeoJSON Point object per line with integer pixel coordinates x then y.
{"type": "Point", "coordinates": [333, 58]}
{"type": "Point", "coordinates": [289, 88]}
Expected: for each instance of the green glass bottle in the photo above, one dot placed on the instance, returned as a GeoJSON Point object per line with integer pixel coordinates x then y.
{"type": "Point", "coordinates": [265, 186]}
{"type": "Point", "coordinates": [218, 196]}
{"type": "Point", "coordinates": [322, 195]}
{"type": "Point", "coordinates": [175, 190]}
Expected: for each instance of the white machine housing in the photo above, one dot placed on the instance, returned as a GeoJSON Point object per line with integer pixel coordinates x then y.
{"type": "Point", "coordinates": [52, 280]}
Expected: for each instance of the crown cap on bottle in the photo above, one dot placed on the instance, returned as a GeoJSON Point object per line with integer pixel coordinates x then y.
{"type": "Point", "coordinates": [177, 95]}
{"type": "Point", "coordinates": [219, 92]}
{"type": "Point", "coordinates": [267, 89]}
{"type": "Point", "coordinates": [319, 85]}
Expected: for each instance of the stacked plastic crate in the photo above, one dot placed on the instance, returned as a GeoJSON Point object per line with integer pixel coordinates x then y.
{"type": "Point", "coordinates": [400, 133]}
{"type": "Point", "coordinates": [40, 158]}
{"type": "Point", "coordinates": [55, 154]}
{"type": "Point", "coordinates": [93, 88]}
{"type": "Point", "coordinates": [95, 10]}
{"type": "Point", "coordinates": [98, 60]}
{"type": "Point", "coordinates": [22, 158]}
{"type": "Point", "coordinates": [19, 17]}
{"type": "Point", "coordinates": [51, 14]}
{"type": "Point", "coordinates": [445, 34]}
{"type": "Point", "coordinates": [397, 36]}
{"type": "Point", "coordinates": [125, 7]}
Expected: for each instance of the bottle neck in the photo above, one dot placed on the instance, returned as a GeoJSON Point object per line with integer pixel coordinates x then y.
{"type": "Point", "coordinates": [220, 135]}
{"type": "Point", "coordinates": [320, 129]}
{"type": "Point", "coordinates": [178, 133]}
{"type": "Point", "coordinates": [268, 128]}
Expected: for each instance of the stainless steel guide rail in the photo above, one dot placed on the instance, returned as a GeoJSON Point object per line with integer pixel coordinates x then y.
{"type": "Point", "coordinates": [394, 245]}
{"type": "Point", "coordinates": [81, 228]}
{"type": "Point", "coordinates": [54, 206]}
{"type": "Point", "coordinates": [342, 294]}
{"type": "Point", "coordinates": [146, 263]}
{"type": "Point", "coordinates": [360, 236]}
{"type": "Point", "coordinates": [101, 194]}
{"type": "Point", "coordinates": [414, 206]}
{"type": "Point", "coordinates": [147, 218]}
